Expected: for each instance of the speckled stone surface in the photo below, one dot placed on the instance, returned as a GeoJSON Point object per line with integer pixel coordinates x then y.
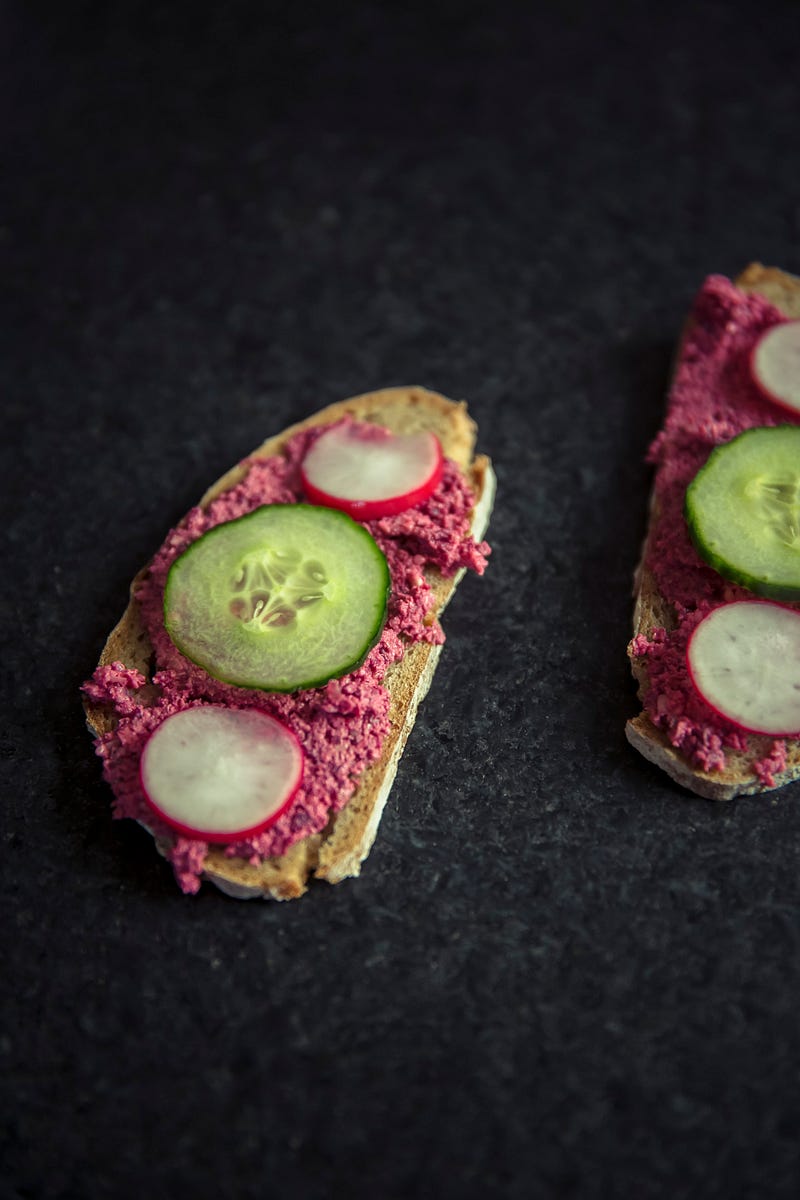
{"type": "Point", "coordinates": [558, 976]}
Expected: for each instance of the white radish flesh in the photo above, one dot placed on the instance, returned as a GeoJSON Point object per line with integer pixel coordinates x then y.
{"type": "Point", "coordinates": [775, 364]}
{"type": "Point", "coordinates": [369, 472]}
{"type": "Point", "coordinates": [220, 774]}
{"type": "Point", "coordinates": [744, 660]}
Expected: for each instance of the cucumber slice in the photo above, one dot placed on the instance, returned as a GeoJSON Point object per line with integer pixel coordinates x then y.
{"type": "Point", "coordinates": [286, 597]}
{"type": "Point", "coordinates": [744, 659]}
{"type": "Point", "coordinates": [743, 511]}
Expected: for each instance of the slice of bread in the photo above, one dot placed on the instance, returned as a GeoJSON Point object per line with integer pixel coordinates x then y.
{"type": "Point", "coordinates": [337, 852]}
{"type": "Point", "coordinates": [652, 610]}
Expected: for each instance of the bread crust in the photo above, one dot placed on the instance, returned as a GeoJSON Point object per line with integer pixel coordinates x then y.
{"type": "Point", "coordinates": [337, 852]}
{"type": "Point", "coordinates": [652, 610]}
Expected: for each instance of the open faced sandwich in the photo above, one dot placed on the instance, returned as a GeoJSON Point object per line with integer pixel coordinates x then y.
{"type": "Point", "coordinates": [716, 645]}
{"type": "Point", "coordinates": [252, 704]}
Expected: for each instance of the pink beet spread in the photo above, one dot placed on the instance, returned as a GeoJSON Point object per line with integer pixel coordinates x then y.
{"type": "Point", "coordinates": [342, 725]}
{"type": "Point", "coordinates": [712, 399]}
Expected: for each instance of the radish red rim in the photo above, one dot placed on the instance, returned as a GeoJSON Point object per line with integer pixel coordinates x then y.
{"type": "Point", "coordinates": [743, 659]}
{"type": "Point", "coordinates": [775, 365]}
{"type": "Point", "coordinates": [220, 774]}
{"type": "Point", "coordinates": [368, 472]}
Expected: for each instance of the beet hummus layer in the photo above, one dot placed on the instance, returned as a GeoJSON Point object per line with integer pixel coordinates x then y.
{"type": "Point", "coordinates": [342, 725]}
{"type": "Point", "coordinates": [712, 399]}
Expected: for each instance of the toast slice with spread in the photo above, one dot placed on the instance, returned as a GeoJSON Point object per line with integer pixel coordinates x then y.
{"type": "Point", "coordinates": [336, 851]}
{"type": "Point", "coordinates": [762, 763]}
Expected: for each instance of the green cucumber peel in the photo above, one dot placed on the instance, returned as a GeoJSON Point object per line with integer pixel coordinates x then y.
{"type": "Point", "coordinates": [281, 599]}
{"type": "Point", "coordinates": [742, 511]}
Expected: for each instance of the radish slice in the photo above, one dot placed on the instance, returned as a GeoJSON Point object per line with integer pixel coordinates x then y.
{"type": "Point", "coordinates": [220, 774]}
{"type": "Point", "coordinates": [369, 472]}
{"type": "Point", "coordinates": [744, 660]}
{"type": "Point", "coordinates": [775, 365]}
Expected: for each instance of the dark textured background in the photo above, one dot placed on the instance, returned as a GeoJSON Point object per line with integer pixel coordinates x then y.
{"type": "Point", "coordinates": [558, 975]}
